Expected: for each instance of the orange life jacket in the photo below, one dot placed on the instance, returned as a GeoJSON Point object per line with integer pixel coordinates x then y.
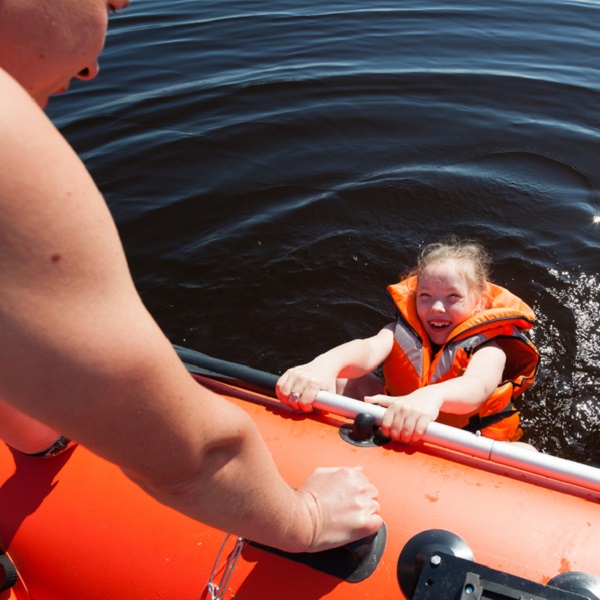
{"type": "Point", "coordinates": [412, 364]}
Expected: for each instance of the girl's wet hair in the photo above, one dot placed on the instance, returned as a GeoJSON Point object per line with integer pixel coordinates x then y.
{"type": "Point", "coordinates": [474, 263]}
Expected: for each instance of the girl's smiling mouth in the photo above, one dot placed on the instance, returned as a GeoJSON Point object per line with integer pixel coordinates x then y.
{"type": "Point", "coordinates": [439, 325]}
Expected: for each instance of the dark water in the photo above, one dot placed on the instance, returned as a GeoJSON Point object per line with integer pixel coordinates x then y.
{"type": "Point", "coordinates": [273, 166]}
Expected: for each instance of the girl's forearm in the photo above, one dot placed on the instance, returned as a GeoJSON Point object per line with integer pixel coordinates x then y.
{"type": "Point", "coordinates": [360, 356]}
{"type": "Point", "coordinates": [462, 395]}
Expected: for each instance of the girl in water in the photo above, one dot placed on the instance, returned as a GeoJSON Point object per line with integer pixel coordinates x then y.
{"type": "Point", "coordinates": [456, 353]}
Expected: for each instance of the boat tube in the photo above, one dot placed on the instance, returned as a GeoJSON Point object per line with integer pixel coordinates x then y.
{"type": "Point", "coordinates": [464, 517]}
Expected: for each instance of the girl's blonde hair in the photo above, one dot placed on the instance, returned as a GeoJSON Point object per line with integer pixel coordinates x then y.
{"type": "Point", "coordinates": [474, 263]}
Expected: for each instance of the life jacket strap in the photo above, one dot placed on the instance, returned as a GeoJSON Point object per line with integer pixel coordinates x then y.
{"type": "Point", "coordinates": [477, 422]}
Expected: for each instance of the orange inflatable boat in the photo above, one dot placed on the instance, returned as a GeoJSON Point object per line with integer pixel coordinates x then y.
{"type": "Point", "coordinates": [465, 518]}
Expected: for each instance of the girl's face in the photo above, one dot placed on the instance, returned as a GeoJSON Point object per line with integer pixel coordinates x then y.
{"type": "Point", "coordinates": [444, 300]}
{"type": "Point", "coordinates": [46, 44]}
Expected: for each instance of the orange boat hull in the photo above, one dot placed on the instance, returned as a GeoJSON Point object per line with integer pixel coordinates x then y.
{"type": "Point", "coordinates": [77, 528]}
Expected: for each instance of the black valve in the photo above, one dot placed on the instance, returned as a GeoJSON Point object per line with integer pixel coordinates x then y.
{"type": "Point", "coordinates": [8, 573]}
{"type": "Point", "coordinates": [423, 546]}
{"type": "Point", "coordinates": [363, 432]}
{"type": "Point", "coordinates": [584, 584]}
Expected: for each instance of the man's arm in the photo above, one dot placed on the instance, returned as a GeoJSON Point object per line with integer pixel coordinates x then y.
{"type": "Point", "coordinates": [80, 353]}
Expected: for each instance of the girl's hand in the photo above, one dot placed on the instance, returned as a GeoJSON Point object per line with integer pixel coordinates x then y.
{"type": "Point", "coordinates": [299, 386]}
{"type": "Point", "coordinates": [407, 417]}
